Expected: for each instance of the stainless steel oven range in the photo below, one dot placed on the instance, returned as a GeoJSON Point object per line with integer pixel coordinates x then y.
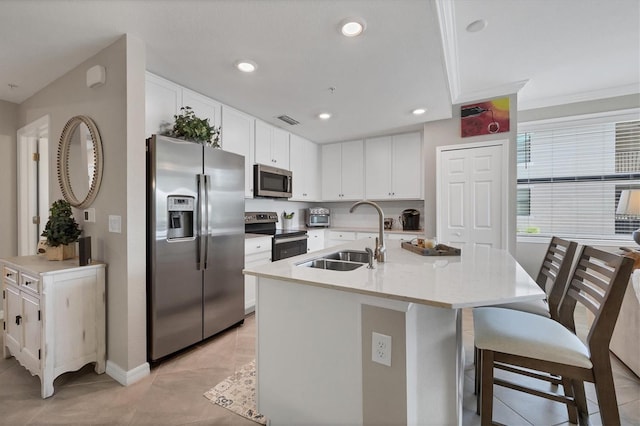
{"type": "Point", "coordinates": [285, 243]}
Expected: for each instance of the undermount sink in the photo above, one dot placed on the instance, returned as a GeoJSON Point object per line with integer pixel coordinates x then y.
{"type": "Point", "coordinates": [346, 260]}
{"type": "Point", "coordinates": [333, 265]}
{"type": "Point", "coordinates": [350, 256]}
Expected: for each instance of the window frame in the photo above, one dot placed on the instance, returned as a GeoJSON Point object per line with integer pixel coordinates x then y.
{"type": "Point", "coordinates": [531, 126]}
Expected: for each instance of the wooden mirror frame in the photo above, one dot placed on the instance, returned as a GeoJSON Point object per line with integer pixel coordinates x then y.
{"type": "Point", "coordinates": [63, 162]}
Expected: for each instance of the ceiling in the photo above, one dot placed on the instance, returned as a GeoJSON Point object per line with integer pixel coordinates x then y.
{"type": "Point", "coordinates": [413, 53]}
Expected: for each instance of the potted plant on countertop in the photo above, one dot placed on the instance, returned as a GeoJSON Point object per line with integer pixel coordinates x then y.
{"type": "Point", "coordinates": [61, 231]}
{"type": "Point", "coordinates": [287, 220]}
{"type": "Point", "coordinates": [189, 127]}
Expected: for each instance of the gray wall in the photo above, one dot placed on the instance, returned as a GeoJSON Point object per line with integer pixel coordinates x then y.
{"type": "Point", "coordinates": [447, 132]}
{"type": "Point", "coordinates": [8, 179]}
{"type": "Point", "coordinates": [118, 110]}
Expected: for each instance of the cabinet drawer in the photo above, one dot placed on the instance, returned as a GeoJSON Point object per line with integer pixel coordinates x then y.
{"type": "Point", "coordinates": [27, 282]}
{"type": "Point", "coordinates": [344, 236]}
{"type": "Point", "coordinates": [257, 245]}
{"type": "Point", "coordinates": [402, 237]}
{"type": "Point", "coordinates": [10, 275]}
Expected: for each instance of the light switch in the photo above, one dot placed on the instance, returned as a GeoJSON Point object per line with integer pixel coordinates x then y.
{"type": "Point", "coordinates": [90, 215]}
{"type": "Point", "coordinates": [115, 223]}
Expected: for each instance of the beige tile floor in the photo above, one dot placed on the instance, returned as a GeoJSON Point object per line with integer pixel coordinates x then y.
{"type": "Point", "coordinates": [172, 393]}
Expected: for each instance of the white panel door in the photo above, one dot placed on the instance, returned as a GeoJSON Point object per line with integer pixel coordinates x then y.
{"type": "Point", "coordinates": [470, 197]}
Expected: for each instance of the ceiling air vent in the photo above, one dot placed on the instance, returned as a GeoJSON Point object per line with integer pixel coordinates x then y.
{"type": "Point", "coordinates": [288, 120]}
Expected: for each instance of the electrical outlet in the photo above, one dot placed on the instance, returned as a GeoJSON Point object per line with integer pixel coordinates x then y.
{"type": "Point", "coordinates": [381, 349]}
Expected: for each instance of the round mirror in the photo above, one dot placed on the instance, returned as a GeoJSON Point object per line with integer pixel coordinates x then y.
{"type": "Point", "coordinates": [80, 161]}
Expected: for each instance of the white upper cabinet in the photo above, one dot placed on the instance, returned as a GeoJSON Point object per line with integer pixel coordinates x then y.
{"type": "Point", "coordinates": [162, 101]}
{"type": "Point", "coordinates": [343, 171]}
{"type": "Point", "coordinates": [393, 167]}
{"type": "Point", "coordinates": [237, 137]}
{"type": "Point", "coordinates": [272, 145]}
{"type": "Point", "coordinates": [304, 161]}
{"type": "Point", "coordinates": [202, 106]}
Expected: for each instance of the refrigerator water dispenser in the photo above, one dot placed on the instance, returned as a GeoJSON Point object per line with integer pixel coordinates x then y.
{"type": "Point", "coordinates": [180, 210]}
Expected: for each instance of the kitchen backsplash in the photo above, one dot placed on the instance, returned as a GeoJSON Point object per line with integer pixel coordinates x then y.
{"type": "Point", "coordinates": [363, 217]}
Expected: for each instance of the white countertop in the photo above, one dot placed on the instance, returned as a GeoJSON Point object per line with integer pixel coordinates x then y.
{"type": "Point", "coordinates": [41, 265]}
{"type": "Point", "coordinates": [478, 277]}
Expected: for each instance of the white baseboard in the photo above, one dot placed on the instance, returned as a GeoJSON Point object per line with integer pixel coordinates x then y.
{"type": "Point", "coordinates": [126, 378]}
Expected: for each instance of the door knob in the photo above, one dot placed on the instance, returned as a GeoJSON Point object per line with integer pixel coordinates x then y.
{"type": "Point", "coordinates": [18, 319]}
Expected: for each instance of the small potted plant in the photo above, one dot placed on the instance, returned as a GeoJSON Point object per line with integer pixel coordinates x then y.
{"type": "Point", "coordinates": [189, 127]}
{"type": "Point", "coordinates": [287, 220]}
{"type": "Point", "coordinates": [61, 231]}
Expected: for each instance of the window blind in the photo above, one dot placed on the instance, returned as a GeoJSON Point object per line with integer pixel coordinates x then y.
{"type": "Point", "coordinates": [571, 173]}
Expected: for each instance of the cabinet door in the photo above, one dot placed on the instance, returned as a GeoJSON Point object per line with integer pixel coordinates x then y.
{"type": "Point", "coordinates": [257, 252]}
{"type": "Point", "coordinates": [202, 106]}
{"type": "Point", "coordinates": [31, 332]}
{"type": "Point", "coordinates": [407, 174]}
{"type": "Point", "coordinates": [303, 161]}
{"type": "Point", "coordinates": [13, 311]}
{"type": "Point", "coordinates": [280, 148]}
{"type": "Point", "coordinates": [162, 102]}
{"type": "Point", "coordinates": [353, 170]}
{"type": "Point", "coordinates": [237, 137]}
{"type": "Point", "coordinates": [332, 172]}
{"type": "Point", "coordinates": [378, 168]}
{"type": "Point", "coordinates": [263, 143]}
{"type": "Point", "coordinates": [315, 241]}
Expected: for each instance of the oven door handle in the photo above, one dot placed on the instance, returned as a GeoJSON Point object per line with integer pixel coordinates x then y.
{"type": "Point", "coordinates": [289, 240]}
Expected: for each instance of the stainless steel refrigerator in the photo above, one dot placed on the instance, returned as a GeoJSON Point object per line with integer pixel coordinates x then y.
{"type": "Point", "coordinates": [195, 243]}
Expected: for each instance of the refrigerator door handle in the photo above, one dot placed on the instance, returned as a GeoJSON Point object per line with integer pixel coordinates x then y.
{"type": "Point", "coordinates": [202, 214]}
{"type": "Point", "coordinates": [207, 184]}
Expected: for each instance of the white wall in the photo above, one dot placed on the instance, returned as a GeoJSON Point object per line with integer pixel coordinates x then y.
{"type": "Point", "coordinates": [118, 111]}
{"type": "Point", "coordinates": [8, 179]}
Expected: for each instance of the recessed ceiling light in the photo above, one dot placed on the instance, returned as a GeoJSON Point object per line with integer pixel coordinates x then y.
{"type": "Point", "coordinates": [246, 66]}
{"type": "Point", "coordinates": [352, 27]}
{"type": "Point", "coordinates": [477, 25]}
{"type": "Point", "coordinates": [418, 111]}
{"type": "Point", "coordinates": [324, 116]}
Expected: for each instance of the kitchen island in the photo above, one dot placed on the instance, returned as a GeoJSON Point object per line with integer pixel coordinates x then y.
{"type": "Point", "coordinates": [316, 341]}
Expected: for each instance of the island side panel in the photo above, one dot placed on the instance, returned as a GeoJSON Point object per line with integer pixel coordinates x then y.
{"type": "Point", "coordinates": [435, 365]}
{"type": "Point", "coordinates": [308, 354]}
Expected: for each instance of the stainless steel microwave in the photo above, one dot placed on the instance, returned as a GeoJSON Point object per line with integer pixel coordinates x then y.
{"type": "Point", "coordinates": [271, 182]}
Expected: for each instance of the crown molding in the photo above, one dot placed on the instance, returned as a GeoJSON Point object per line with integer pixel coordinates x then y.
{"type": "Point", "coordinates": [446, 18]}
{"type": "Point", "coordinates": [611, 92]}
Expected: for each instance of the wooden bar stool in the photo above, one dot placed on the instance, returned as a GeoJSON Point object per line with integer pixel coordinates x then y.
{"type": "Point", "coordinates": [520, 342]}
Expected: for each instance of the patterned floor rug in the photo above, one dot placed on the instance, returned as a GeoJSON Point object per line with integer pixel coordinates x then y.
{"type": "Point", "coordinates": [238, 393]}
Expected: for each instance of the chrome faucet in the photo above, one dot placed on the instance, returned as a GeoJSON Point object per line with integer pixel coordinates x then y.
{"type": "Point", "coordinates": [381, 250]}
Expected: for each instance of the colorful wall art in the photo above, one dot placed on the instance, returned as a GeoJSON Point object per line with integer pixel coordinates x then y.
{"type": "Point", "coordinates": [485, 118]}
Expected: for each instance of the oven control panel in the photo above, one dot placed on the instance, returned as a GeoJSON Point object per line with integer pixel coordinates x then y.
{"type": "Point", "coordinates": [260, 217]}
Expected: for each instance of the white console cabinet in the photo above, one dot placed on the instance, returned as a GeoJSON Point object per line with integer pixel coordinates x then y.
{"type": "Point", "coordinates": [54, 316]}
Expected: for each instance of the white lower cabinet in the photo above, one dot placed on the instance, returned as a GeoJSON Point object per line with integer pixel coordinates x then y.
{"type": "Point", "coordinates": [402, 237]}
{"type": "Point", "coordinates": [335, 238]}
{"type": "Point", "coordinates": [316, 240]}
{"type": "Point", "coordinates": [54, 316]}
{"type": "Point", "coordinates": [257, 251]}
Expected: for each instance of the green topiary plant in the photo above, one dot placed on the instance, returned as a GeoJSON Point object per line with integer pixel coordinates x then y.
{"type": "Point", "coordinates": [188, 126]}
{"type": "Point", "coordinates": [61, 227]}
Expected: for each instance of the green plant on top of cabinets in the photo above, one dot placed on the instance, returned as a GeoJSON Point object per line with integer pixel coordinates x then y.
{"type": "Point", "coordinates": [189, 127]}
